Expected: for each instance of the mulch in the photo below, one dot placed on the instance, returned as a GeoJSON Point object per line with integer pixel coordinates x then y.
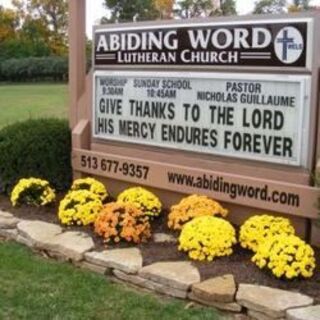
{"type": "Point", "coordinates": [238, 263]}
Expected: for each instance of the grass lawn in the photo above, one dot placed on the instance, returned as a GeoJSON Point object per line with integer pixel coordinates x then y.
{"type": "Point", "coordinates": [32, 287]}
{"type": "Point", "coordinates": [23, 101]}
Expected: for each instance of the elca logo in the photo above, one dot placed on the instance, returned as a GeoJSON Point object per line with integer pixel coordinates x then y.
{"type": "Point", "coordinates": [288, 45]}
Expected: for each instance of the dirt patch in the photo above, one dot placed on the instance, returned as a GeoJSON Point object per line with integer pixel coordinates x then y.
{"type": "Point", "coordinates": [238, 264]}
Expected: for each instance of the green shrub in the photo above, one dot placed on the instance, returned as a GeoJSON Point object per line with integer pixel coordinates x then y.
{"type": "Point", "coordinates": [36, 148]}
{"type": "Point", "coordinates": [34, 69]}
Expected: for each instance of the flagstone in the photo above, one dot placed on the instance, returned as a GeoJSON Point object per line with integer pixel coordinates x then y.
{"type": "Point", "coordinates": [269, 301]}
{"type": "Point", "coordinates": [72, 245]}
{"type": "Point", "coordinates": [128, 260]}
{"type": "Point", "coordinates": [164, 238]}
{"type": "Point", "coordinates": [219, 289]}
{"type": "Point", "coordinates": [10, 234]}
{"type": "Point", "coordinates": [308, 313]}
{"type": "Point", "coordinates": [179, 275]}
{"type": "Point", "coordinates": [151, 285]}
{"type": "Point", "coordinates": [7, 220]}
{"type": "Point", "coordinates": [228, 306]}
{"type": "Point", "coordinates": [38, 234]}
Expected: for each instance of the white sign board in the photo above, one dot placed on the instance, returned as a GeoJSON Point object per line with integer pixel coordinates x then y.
{"type": "Point", "coordinates": [257, 117]}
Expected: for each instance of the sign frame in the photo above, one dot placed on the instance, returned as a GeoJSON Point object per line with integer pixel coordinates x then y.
{"type": "Point", "coordinates": [221, 21]}
{"type": "Point", "coordinates": [80, 92]}
{"type": "Point", "coordinates": [304, 112]}
{"type": "Point", "coordinates": [157, 171]}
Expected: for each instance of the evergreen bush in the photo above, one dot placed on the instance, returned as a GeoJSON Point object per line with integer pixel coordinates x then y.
{"type": "Point", "coordinates": [36, 148]}
{"type": "Point", "coordinates": [35, 69]}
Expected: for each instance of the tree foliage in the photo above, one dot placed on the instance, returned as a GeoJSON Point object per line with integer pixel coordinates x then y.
{"type": "Point", "coordinates": [300, 5]}
{"type": "Point", "coordinates": [228, 7]}
{"type": "Point", "coordinates": [9, 21]}
{"type": "Point", "coordinates": [194, 8]}
{"type": "Point", "coordinates": [45, 20]}
{"type": "Point", "coordinates": [129, 10]}
{"type": "Point", "coordinates": [270, 6]}
{"type": "Point", "coordinates": [164, 8]}
{"type": "Point", "coordinates": [21, 36]}
{"type": "Point", "coordinates": [205, 8]}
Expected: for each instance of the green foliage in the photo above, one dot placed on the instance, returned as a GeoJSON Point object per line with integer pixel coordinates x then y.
{"type": "Point", "coordinates": [194, 8]}
{"type": "Point", "coordinates": [34, 28]}
{"type": "Point", "coordinates": [9, 21]}
{"type": "Point", "coordinates": [31, 69]}
{"type": "Point", "coordinates": [35, 148]}
{"type": "Point", "coordinates": [22, 48]}
{"type": "Point", "coordinates": [45, 20]}
{"type": "Point", "coordinates": [205, 8]}
{"type": "Point", "coordinates": [300, 5]}
{"type": "Point", "coordinates": [130, 10]}
{"type": "Point", "coordinates": [304, 4]}
{"type": "Point", "coordinates": [228, 8]}
{"type": "Point", "coordinates": [270, 6]}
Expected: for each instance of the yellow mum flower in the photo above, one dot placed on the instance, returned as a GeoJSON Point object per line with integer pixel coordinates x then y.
{"type": "Point", "coordinates": [32, 191]}
{"type": "Point", "coordinates": [143, 199]}
{"type": "Point", "coordinates": [273, 254]}
{"type": "Point", "coordinates": [92, 185]}
{"type": "Point", "coordinates": [207, 237]}
{"type": "Point", "coordinates": [258, 228]}
{"type": "Point", "coordinates": [79, 207]}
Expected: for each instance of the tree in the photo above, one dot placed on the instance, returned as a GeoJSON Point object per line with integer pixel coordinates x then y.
{"type": "Point", "coordinates": [226, 8]}
{"type": "Point", "coordinates": [130, 10]}
{"type": "Point", "coordinates": [164, 8]}
{"type": "Point", "coordinates": [300, 5]}
{"type": "Point", "coordinates": [37, 35]}
{"type": "Point", "coordinates": [9, 21]}
{"type": "Point", "coordinates": [50, 15]}
{"type": "Point", "coordinates": [270, 6]}
{"type": "Point", "coordinates": [194, 8]}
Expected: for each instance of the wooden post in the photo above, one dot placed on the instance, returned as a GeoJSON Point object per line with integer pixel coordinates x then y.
{"type": "Point", "coordinates": [77, 57]}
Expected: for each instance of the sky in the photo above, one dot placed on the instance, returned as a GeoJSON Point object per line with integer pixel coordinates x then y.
{"type": "Point", "coordinates": [96, 10]}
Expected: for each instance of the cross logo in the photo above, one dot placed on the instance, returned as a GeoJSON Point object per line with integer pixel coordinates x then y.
{"type": "Point", "coordinates": [285, 41]}
{"type": "Point", "coordinates": [288, 45]}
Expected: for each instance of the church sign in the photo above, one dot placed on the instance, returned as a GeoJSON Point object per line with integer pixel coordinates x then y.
{"type": "Point", "coordinates": [225, 107]}
{"type": "Point", "coordinates": [241, 116]}
{"type": "Point", "coordinates": [247, 44]}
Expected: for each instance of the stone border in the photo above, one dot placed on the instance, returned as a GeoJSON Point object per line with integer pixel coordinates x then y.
{"type": "Point", "coordinates": [177, 279]}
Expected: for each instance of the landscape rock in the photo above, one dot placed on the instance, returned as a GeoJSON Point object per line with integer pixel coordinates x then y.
{"type": "Point", "coordinates": [93, 267]}
{"type": "Point", "coordinates": [308, 313]}
{"type": "Point", "coordinates": [38, 234]}
{"type": "Point", "coordinates": [179, 275]}
{"type": "Point", "coordinates": [128, 260]}
{"type": "Point", "coordinates": [229, 306]}
{"type": "Point", "coordinates": [22, 240]}
{"type": "Point", "coordinates": [269, 301]}
{"type": "Point", "coordinates": [220, 289]}
{"type": "Point", "coordinates": [7, 220]}
{"type": "Point", "coordinates": [9, 234]}
{"type": "Point", "coordinates": [164, 238]}
{"type": "Point", "coordinates": [240, 316]}
{"type": "Point", "coordinates": [72, 245]}
{"type": "Point", "coordinates": [5, 214]}
{"type": "Point", "coordinates": [261, 316]}
{"type": "Point", "coordinates": [149, 284]}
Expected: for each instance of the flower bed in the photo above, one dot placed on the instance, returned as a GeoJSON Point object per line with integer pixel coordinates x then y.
{"type": "Point", "coordinates": [239, 263]}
